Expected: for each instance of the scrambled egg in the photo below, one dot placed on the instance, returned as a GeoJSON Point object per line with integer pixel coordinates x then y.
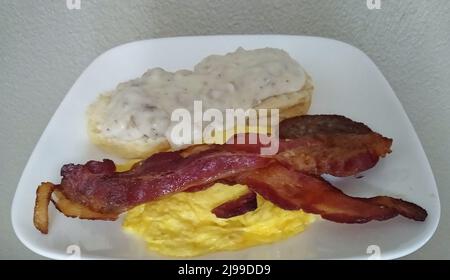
{"type": "Point", "coordinates": [182, 225]}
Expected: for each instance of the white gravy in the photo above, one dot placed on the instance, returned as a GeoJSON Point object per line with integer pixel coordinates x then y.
{"type": "Point", "coordinates": [141, 108]}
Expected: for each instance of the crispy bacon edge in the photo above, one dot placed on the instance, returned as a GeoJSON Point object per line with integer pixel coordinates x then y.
{"type": "Point", "coordinates": [293, 190]}
{"type": "Point", "coordinates": [75, 210]}
{"type": "Point", "coordinates": [69, 208]}
{"type": "Point", "coordinates": [43, 196]}
{"type": "Point", "coordinates": [236, 207]}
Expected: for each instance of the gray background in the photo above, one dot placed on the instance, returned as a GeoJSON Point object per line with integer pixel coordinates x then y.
{"type": "Point", "coordinates": [44, 47]}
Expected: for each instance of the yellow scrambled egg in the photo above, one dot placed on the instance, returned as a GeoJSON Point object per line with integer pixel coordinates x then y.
{"type": "Point", "coordinates": [182, 225]}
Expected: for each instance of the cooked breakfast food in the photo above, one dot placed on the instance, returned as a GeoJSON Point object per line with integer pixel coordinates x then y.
{"type": "Point", "coordinates": [132, 121]}
{"type": "Point", "coordinates": [187, 224]}
{"type": "Point", "coordinates": [224, 196]}
{"type": "Point", "coordinates": [290, 180]}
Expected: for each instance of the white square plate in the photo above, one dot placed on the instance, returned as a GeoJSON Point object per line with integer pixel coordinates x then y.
{"type": "Point", "coordinates": [347, 82]}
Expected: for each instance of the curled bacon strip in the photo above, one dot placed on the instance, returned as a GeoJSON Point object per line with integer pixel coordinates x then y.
{"type": "Point", "coordinates": [293, 190]}
{"type": "Point", "coordinates": [236, 207]}
{"type": "Point", "coordinates": [43, 197]}
{"type": "Point", "coordinates": [98, 186]}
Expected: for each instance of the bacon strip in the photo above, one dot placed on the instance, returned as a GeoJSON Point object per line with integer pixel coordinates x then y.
{"type": "Point", "coordinates": [75, 210]}
{"type": "Point", "coordinates": [339, 155]}
{"type": "Point", "coordinates": [293, 190]}
{"type": "Point", "coordinates": [43, 196]}
{"type": "Point", "coordinates": [103, 190]}
{"type": "Point", "coordinates": [318, 145]}
{"type": "Point", "coordinates": [236, 207]}
{"type": "Point", "coordinates": [323, 144]}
